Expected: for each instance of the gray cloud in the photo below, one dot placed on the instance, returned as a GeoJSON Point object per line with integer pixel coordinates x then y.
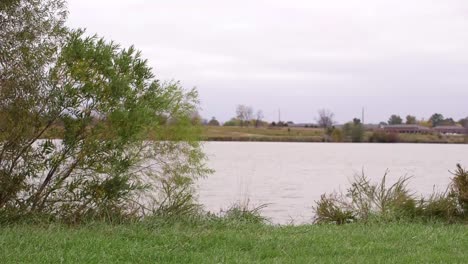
{"type": "Point", "coordinates": [390, 56]}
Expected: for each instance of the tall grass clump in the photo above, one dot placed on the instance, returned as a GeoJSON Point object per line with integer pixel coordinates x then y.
{"type": "Point", "coordinates": [438, 207]}
{"type": "Point", "coordinates": [238, 215]}
{"type": "Point", "coordinates": [459, 188]}
{"type": "Point", "coordinates": [332, 208]}
{"type": "Point", "coordinates": [244, 213]}
{"type": "Point", "coordinates": [365, 201]}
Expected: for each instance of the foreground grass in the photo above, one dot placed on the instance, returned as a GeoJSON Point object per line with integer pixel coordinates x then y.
{"type": "Point", "coordinates": [241, 243]}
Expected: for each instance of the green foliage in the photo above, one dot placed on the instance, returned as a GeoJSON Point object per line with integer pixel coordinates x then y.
{"type": "Point", "coordinates": [395, 120]}
{"type": "Point", "coordinates": [31, 33]}
{"type": "Point", "coordinates": [436, 119]}
{"type": "Point", "coordinates": [370, 199]}
{"type": "Point", "coordinates": [357, 133]}
{"type": "Point", "coordinates": [438, 206]}
{"type": "Point", "coordinates": [365, 201]}
{"type": "Point", "coordinates": [214, 242]}
{"type": "Point", "coordinates": [232, 122]}
{"type": "Point", "coordinates": [108, 103]}
{"type": "Point", "coordinates": [459, 188]}
{"type": "Point", "coordinates": [384, 137]}
{"type": "Point", "coordinates": [411, 120]}
{"type": "Point", "coordinates": [337, 135]}
{"type": "Point", "coordinates": [330, 209]}
{"type": "Point", "coordinates": [213, 122]}
{"type": "Point", "coordinates": [354, 131]}
{"type": "Point", "coordinates": [242, 213]}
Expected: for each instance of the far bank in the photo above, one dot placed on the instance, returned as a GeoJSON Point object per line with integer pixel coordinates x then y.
{"type": "Point", "coordinates": [301, 134]}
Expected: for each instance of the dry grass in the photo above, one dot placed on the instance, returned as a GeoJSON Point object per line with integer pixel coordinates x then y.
{"type": "Point", "coordinates": [301, 134]}
{"type": "Point", "coordinates": [262, 134]}
{"type": "Point", "coordinates": [430, 138]}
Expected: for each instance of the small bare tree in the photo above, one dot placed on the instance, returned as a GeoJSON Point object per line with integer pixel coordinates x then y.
{"type": "Point", "coordinates": [325, 118]}
{"type": "Point", "coordinates": [259, 118]}
{"type": "Point", "coordinates": [244, 114]}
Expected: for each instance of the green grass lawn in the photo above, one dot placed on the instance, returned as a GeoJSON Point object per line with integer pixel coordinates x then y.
{"type": "Point", "coordinates": [242, 243]}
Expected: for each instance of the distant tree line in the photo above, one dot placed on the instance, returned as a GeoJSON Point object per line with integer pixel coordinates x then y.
{"type": "Point", "coordinates": [246, 117]}
{"type": "Point", "coordinates": [352, 131]}
{"type": "Point", "coordinates": [435, 120]}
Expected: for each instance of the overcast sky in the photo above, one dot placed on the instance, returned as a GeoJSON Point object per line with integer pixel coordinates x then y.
{"type": "Point", "coordinates": [388, 56]}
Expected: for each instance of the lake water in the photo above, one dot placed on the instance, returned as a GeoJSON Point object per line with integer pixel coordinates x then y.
{"type": "Point", "coordinates": [289, 177]}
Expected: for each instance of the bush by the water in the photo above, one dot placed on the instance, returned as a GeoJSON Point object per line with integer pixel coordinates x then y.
{"type": "Point", "coordinates": [126, 147]}
{"type": "Point", "coordinates": [384, 137]}
{"type": "Point", "coordinates": [366, 201]}
{"type": "Point", "coordinates": [354, 131]}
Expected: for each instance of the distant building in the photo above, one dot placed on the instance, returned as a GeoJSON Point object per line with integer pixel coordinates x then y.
{"type": "Point", "coordinates": [451, 130]}
{"type": "Point", "coordinates": [410, 129]}
{"type": "Point", "coordinates": [371, 126]}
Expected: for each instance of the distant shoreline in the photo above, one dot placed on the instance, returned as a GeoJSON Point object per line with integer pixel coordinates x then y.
{"type": "Point", "coordinates": [311, 135]}
{"type": "Point", "coordinates": [299, 140]}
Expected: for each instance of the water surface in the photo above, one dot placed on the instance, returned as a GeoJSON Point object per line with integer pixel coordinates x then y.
{"type": "Point", "coordinates": [291, 176]}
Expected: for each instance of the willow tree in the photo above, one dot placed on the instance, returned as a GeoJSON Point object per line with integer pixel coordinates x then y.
{"type": "Point", "coordinates": [125, 139]}
{"type": "Point", "coordinates": [31, 33]}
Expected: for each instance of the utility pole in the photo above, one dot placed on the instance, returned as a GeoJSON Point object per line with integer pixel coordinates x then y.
{"type": "Point", "coordinates": [279, 115]}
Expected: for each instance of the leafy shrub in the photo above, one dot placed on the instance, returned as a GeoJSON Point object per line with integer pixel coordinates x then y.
{"type": "Point", "coordinates": [384, 137]}
{"type": "Point", "coordinates": [176, 199]}
{"type": "Point", "coordinates": [354, 131]}
{"type": "Point", "coordinates": [337, 135]}
{"type": "Point", "coordinates": [213, 122]}
{"type": "Point", "coordinates": [232, 122]}
{"type": "Point", "coordinates": [107, 104]}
